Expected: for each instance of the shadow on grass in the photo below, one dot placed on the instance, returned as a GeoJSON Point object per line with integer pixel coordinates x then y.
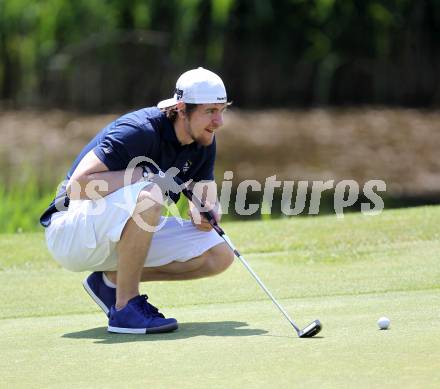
{"type": "Point", "coordinates": [293, 336]}
{"type": "Point", "coordinates": [186, 330]}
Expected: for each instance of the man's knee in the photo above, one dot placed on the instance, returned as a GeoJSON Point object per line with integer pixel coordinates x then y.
{"type": "Point", "coordinates": [147, 212]}
{"type": "Point", "coordinates": [220, 258]}
{"type": "Point", "coordinates": [150, 201]}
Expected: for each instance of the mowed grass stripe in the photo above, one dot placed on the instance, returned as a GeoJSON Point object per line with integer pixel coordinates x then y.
{"type": "Point", "coordinates": [327, 233]}
{"type": "Point", "coordinates": [414, 267]}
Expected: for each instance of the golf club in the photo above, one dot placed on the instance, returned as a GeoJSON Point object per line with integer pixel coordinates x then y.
{"type": "Point", "coordinates": [309, 331]}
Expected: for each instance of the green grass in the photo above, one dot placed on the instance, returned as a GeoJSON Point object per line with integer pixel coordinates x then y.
{"type": "Point", "coordinates": [346, 272]}
{"type": "Point", "coordinates": [22, 204]}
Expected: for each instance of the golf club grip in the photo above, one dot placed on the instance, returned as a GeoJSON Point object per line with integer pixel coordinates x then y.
{"type": "Point", "coordinates": [207, 214]}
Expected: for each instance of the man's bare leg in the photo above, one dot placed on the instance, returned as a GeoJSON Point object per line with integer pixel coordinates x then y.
{"type": "Point", "coordinates": [212, 262]}
{"type": "Point", "coordinates": [134, 245]}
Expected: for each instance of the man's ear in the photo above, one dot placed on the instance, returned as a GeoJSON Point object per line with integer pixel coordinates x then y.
{"type": "Point", "coordinates": [181, 109]}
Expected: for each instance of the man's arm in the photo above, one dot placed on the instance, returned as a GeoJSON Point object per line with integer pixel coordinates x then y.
{"type": "Point", "coordinates": [93, 180]}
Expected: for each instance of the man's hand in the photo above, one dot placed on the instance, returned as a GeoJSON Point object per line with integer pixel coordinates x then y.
{"type": "Point", "coordinates": [199, 220]}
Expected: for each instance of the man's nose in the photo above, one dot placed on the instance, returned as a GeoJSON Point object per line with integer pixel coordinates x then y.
{"type": "Point", "coordinates": [218, 119]}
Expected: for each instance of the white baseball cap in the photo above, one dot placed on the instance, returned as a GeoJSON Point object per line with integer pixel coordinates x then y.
{"type": "Point", "coordinates": [197, 86]}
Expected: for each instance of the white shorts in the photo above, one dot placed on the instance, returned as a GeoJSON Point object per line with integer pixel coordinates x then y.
{"type": "Point", "coordinates": [83, 239]}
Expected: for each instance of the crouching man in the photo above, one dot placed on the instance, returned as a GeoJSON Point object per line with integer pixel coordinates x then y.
{"type": "Point", "coordinates": [116, 230]}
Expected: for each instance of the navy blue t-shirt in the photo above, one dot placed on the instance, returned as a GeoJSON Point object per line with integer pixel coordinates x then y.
{"type": "Point", "coordinates": [146, 132]}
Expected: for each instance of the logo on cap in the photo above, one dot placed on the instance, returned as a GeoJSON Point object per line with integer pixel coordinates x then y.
{"type": "Point", "coordinates": [179, 93]}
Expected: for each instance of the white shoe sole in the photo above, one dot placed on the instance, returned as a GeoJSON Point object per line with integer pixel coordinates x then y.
{"type": "Point", "coordinates": [155, 330]}
{"type": "Point", "coordinates": [95, 297]}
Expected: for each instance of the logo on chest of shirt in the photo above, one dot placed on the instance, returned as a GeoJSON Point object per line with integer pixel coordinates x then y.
{"type": "Point", "coordinates": [186, 166]}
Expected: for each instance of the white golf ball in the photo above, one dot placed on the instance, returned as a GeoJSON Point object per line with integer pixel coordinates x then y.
{"type": "Point", "coordinates": [383, 323]}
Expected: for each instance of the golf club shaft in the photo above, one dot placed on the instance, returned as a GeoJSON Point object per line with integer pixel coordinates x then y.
{"type": "Point", "coordinates": [267, 291]}
{"type": "Point", "coordinates": [210, 217]}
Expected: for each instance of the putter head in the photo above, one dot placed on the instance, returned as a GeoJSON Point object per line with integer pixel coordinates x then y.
{"type": "Point", "coordinates": [311, 330]}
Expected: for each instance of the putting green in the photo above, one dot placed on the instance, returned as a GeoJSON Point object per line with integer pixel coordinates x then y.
{"type": "Point", "coordinates": [346, 273]}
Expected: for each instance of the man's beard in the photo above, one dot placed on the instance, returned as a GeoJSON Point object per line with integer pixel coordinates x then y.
{"type": "Point", "coordinates": [204, 141]}
{"type": "Point", "coordinates": [201, 140]}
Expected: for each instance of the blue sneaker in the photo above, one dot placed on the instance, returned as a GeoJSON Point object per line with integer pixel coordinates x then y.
{"type": "Point", "coordinates": [139, 317]}
{"type": "Point", "coordinates": [102, 294]}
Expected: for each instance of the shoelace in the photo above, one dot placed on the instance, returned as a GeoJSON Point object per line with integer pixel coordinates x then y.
{"type": "Point", "coordinates": [147, 308]}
